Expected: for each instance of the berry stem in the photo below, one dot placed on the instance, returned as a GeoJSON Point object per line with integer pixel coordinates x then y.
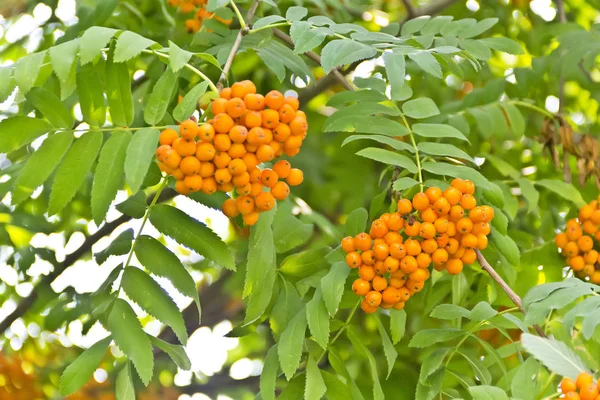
{"type": "Point", "coordinates": [414, 143]}
{"type": "Point", "coordinates": [238, 14]}
{"type": "Point", "coordinates": [341, 330]}
{"type": "Point", "coordinates": [533, 107]}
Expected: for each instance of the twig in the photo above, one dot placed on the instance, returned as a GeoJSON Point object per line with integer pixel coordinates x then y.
{"type": "Point", "coordinates": [236, 44]}
{"type": "Point", "coordinates": [433, 9]}
{"type": "Point", "coordinates": [315, 57]}
{"type": "Point", "coordinates": [410, 9]}
{"type": "Point", "coordinates": [507, 289]}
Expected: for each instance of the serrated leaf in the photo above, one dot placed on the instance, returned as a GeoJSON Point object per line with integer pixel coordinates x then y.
{"type": "Point", "coordinates": [318, 319]}
{"type": "Point", "coordinates": [506, 245]}
{"type": "Point", "coordinates": [388, 348]}
{"type": "Point", "coordinates": [389, 157]}
{"type": "Point", "coordinates": [356, 96]}
{"type": "Point", "coordinates": [358, 345]}
{"type": "Point", "coordinates": [73, 170]}
{"type": "Point", "coordinates": [178, 57]}
{"type": "Point", "coordinates": [131, 338]}
{"type": "Point", "coordinates": [91, 96]}
{"type": "Point", "coordinates": [62, 57]}
{"type": "Point", "coordinates": [344, 51]}
{"type": "Point", "coordinates": [140, 152]}
{"type": "Point", "coordinates": [414, 25]}
{"type": "Point", "coordinates": [356, 222]}
{"type": "Point", "coordinates": [118, 247]}
{"type": "Point", "coordinates": [109, 174]}
{"type": "Point", "coordinates": [305, 37]}
{"type": "Point", "coordinates": [93, 41]}
{"type": "Point", "coordinates": [486, 392]}
{"type": "Point", "coordinates": [19, 130]}
{"type": "Point", "coordinates": [477, 49]}
{"type": "Point", "coordinates": [290, 346]}
{"type": "Point", "coordinates": [404, 183]}
{"type": "Point", "coordinates": [563, 189]}
{"type": "Point", "coordinates": [438, 131]}
{"type": "Point", "coordinates": [159, 99]}
{"type": "Point", "coordinates": [431, 363]}
{"type": "Point", "coordinates": [427, 62]}
{"type": "Point", "coordinates": [315, 385]}
{"type": "Point", "coordinates": [362, 108]}
{"type": "Point", "coordinates": [390, 141]}
{"type": "Point", "coordinates": [285, 308]}
{"type": "Point", "coordinates": [305, 263]}
{"type": "Point", "coordinates": [124, 389]}
{"type": "Point", "coordinates": [134, 206]}
{"type": "Point", "coordinates": [191, 233]}
{"type": "Point", "coordinates": [450, 311]}
{"type": "Point", "coordinates": [503, 44]}
{"type": "Point", "coordinates": [395, 71]}
{"type": "Point", "coordinates": [118, 93]}
{"type": "Point", "coordinates": [82, 369]}
{"type": "Point", "coordinates": [162, 262]}
{"type": "Point", "coordinates": [504, 167]}
{"type": "Point", "coordinates": [289, 232]}
{"type": "Point", "coordinates": [176, 352]}
{"type": "Point", "coordinates": [428, 337]}
{"type": "Point", "coordinates": [188, 104]}
{"type": "Point", "coordinates": [422, 107]}
{"type": "Point", "coordinates": [480, 27]}
{"type": "Point", "coordinates": [333, 284]}
{"type": "Point", "coordinates": [129, 45]}
{"type": "Point", "coordinates": [49, 155]}
{"type": "Point", "coordinates": [367, 124]}
{"type": "Point", "coordinates": [268, 377]}
{"type": "Point", "coordinates": [555, 355]}
{"type": "Point", "coordinates": [482, 312]}
{"type": "Point", "coordinates": [51, 107]}
{"type": "Point", "coordinates": [524, 383]}
{"type": "Point", "coordinates": [443, 149]}
{"type": "Point", "coordinates": [458, 171]}
{"type": "Point", "coordinates": [277, 57]}
{"type": "Point", "coordinates": [27, 70]}
{"type": "Point", "coordinates": [397, 324]}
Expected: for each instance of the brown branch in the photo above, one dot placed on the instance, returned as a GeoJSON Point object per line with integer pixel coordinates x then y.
{"type": "Point", "coordinates": [26, 303]}
{"type": "Point", "coordinates": [222, 383]}
{"type": "Point", "coordinates": [236, 43]}
{"type": "Point", "coordinates": [485, 265]}
{"type": "Point", "coordinates": [410, 9]}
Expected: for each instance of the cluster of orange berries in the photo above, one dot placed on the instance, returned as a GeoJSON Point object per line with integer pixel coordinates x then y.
{"type": "Point", "coordinates": [583, 388]}
{"type": "Point", "coordinates": [578, 240]}
{"type": "Point", "coordinates": [439, 227]}
{"type": "Point", "coordinates": [224, 153]}
{"type": "Point", "coordinates": [198, 7]}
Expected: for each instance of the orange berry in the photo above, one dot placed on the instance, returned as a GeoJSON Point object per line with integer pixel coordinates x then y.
{"type": "Point", "coordinates": [459, 183]}
{"type": "Point", "coordinates": [239, 90]}
{"type": "Point", "coordinates": [190, 165]}
{"type": "Point", "coordinates": [245, 204]}
{"type": "Point", "coordinates": [379, 283]}
{"type": "Point", "coordinates": [442, 206]}
{"type": "Point", "coordinates": [440, 256]}
{"type": "Point", "coordinates": [413, 229]}
{"type": "Point", "coordinates": [468, 202]}
{"type": "Point", "coordinates": [265, 201]}
{"type": "Point", "coordinates": [454, 266]}
{"type": "Point", "coordinates": [595, 279]}
{"type": "Point", "coordinates": [230, 209]}
{"type": "Point", "coordinates": [219, 105]}
{"type": "Point", "coordinates": [423, 260]}
{"type": "Point", "coordinates": [409, 264]}
{"type": "Point", "coordinates": [571, 249]}
{"type": "Point", "coordinates": [427, 230]}
{"type": "Point", "coordinates": [441, 225]}
{"type": "Point", "coordinates": [395, 222]}
{"type": "Point", "coordinates": [404, 206]}
{"type": "Point", "coordinates": [250, 160]}
{"type": "Point", "coordinates": [585, 243]}
{"type": "Point", "coordinates": [172, 159]}
{"type": "Point", "coordinates": [585, 213]}
{"type": "Point", "coordinates": [361, 287]}
{"type": "Point", "coordinates": [251, 218]}
{"type": "Point", "coordinates": [367, 308]}
{"type": "Point", "coordinates": [282, 168]}
{"type": "Point", "coordinates": [193, 182]}
{"type": "Point", "coordinates": [348, 244]}
{"type": "Point", "coordinates": [222, 176]}
{"type": "Point", "coordinates": [168, 136]}
{"type": "Point", "coordinates": [453, 195]}
{"type": "Point", "coordinates": [561, 240]}
{"type": "Point", "coordinates": [378, 229]}
{"type": "Point", "coordinates": [428, 215]}
{"type": "Point", "coordinates": [257, 189]}
{"type": "Point", "coordinates": [181, 187]}
{"type": "Point", "coordinates": [595, 218]}
{"type": "Point", "coordinates": [589, 227]}
{"type": "Point", "coordinates": [433, 194]}
{"type": "Point", "coordinates": [268, 178]}
{"type": "Point", "coordinates": [274, 99]}
{"type": "Point", "coordinates": [184, 147]}
{"type": "Point", "coordinates": [456, 212]}
{"type": "Point", "coordinates": [381, 251]}
{"type": "Point", "coordinates": [568, 385]}
{"type": "Point", "coordinates": [205, 151]}
{"type": "Point", "coordinates": [353, 259]}
{"type": "Point", "coordinates": [373, 298]}
{"type": "Point", "coordinates": [222, 142]}
{"type": "Point", "coordinates": [238, 134]}
{"type": "Point", "coordinates": [469, 256]}
{"type": "Point", "coordinates": [469, 241]}
{"type": "Point", "coordinates": [270, 119]}
{"type": "Point", "coordinates": [298, 126]}
{"type": "Point", "coordinates": [428, 246]}
{"type": "Point", "coordinates": [256, 136]}
{"type": "Point", "coordinates": [577, 263]}
{"type": "Point", "coordinates": [222, 123]}
{"type": "Point", "coordinates": [413, 286]}
{"type": "Point", "coordinates": [464, 225]}
{"type": "Point", "coordinates": [420, 201]}
{"type": "Point", "coordinates": [265, 153]}
{"type": "Point", "coordinates": [390, 296]}
{"type": "Point", "coordinates": [222, 159]}
{"type": "Point", "coordinates": [295, 177]}
{"type": "Point", "coordinates": [392, 237]}
{"type": "Point", "coordinates": [366, 272]}
{"type": "Point", "coordinates": [362, 241]}
{"type": "Point", "coordinates": [413, 247]}
{"type": "Point", "coordinates": [589, 391]}
{"type": "Point", "coordinates": [482, 242]}
{"type": "Point", "coordinates": [206, 132]}
{"type": "Point", "coordinates": [280, 191]}
{"type": "Point", "coordinates": [591, 257]}
{"type": "Point", "coordinates": [420, 275]}
{"type": "Point", "coordinates": [209, 185]}
{"type": "Point", "coordinates": [293, 102]}
{"type": "Point", "coordinates": [488, 213]}
{"type": "Point", "coordinates": [572, 396]}
{"type": "Point", "coordinates": [255, 102]}
{"type": "Point", "coordinates": [188, 129]}
{"type": "Point", "coordinates": [480, 228]}
{"type": "Point", "coordinates": [281, 132]}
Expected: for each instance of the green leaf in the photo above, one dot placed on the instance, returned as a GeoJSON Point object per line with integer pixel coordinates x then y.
{"type": "Point", "coordinates": [477, 49]}
{"type": "Point", "coordinates": [443, 149]}
{"type": "Point", "coordinates": [73, 170]}
{"type": "Point", "coordinates": [344, 51]}
{"type": "Point", "coordinates": [93, 41]}
{"type": "Point", "coordinates": [336, 389]}
{"type": "Point", "coordinates": [296, 13]}
{"type": "Point", "coordinates": [91, 96]}
{"type": "Point", "coordinates": [27, 70]}
{"type": "Point", "coordinates": [191, 233]}
{"type": "Point", "coordinates": [178, 57]}
{"type": "Point", "coordinates": [129, 45]}
{"type": "Point", "coordinates": [268, 20]}
{"type": "Point", "coordinates": [503, 44]}
{"type": "Point", "coordinates": [268, 377]}
{"type": "Point", "coordinates": [315, 385]}
{"type": "Point", "coordinates": [285, 308]}
{"type": "Point", "coordinates": [437, 131]}
{"type": "Point", "coordinates": [422, 107]}
{"type": "Point", "coordinates": [485, 392]}
{"type": "Point", "coordinates": [131, 338]}
{"type": "Point", "coordinates": [118, 92]}
{"type": "Point", "coordinates": [394, 143]}
{"type": "Point", "coordinates": [428, 337]}
{"type": "Point", "coordinates": [305, 38]}
{"type": "Point", "coordinates": [530, 193]}
{"type": "Point", "coordinates": [134, 206]}
{"type": "Point", "coordinates": [118, 247]}
{"type": "Point", "coordinates": [62, 57]}
{"type": "Point", "coordinates": [427, 62]}
{"type": "Point", "coordinates": [159, 99]}
{"type": "Point", "coordinates": [82, 369]}
{"type": "Point", "coordinates": [394, 68]}
{"type": "Point", "coordinates": [124, 389]}
{"type": "Point", "coordinates": [277, 57]}
{"type": "Point", "coordinates": [458, 171]}
{"type": "Point", "coordinates": [506, 245]}
{"type": "Point", "coordinates": [140, 152]}
{"type": "Point", "coordinates": [363, 108]}
{"type": "Point", "coordinates": [555, 355]}
{"type": "Point", "coordinates": [162, 262]}
{"type": "Point", "coordinates": [109, 174]}
{"type": "Point", "coordinates": [367, 124]}
{"type": "Point", "coordinates": [176, 352]}
{"type": "Point", "coordinates": [450, 311]}
{"type": "Point", "coordinates": [388, 348]}
{"type": "Point", "coordinates": [19, 130]}
{"type": "Point", "coordinates": [397, 324]}
{"type": "Point", "coordinates": [189, 103]}
{"type": "Point", "coordinates": [431, 363]}
{"type": "Point", "coordinates": [389, 157]}
{"type": "Point", "coordinates": [356, 96]}
{"type": "Point", "coordinates": [503, 167]}
{"type": "Point", "coordinates": [436, 24]}
{"type": "Point", "coordinates": [404, 183]}
{"type": "Point", "coordinates": [318, 319]}
{"type": "Point", "coordinates": [360, 347]}
{"type": "Point", "coordinates": [483, 312]}
{"type": "Point", "coordinates": [148, 294]}
{"type": "Point", "coordinates": [7, 84]}
{"type": "Point", "coordinates": [261, 267]}
{"type": "Point", "coordinates": [305, 263]}
{"type": "Point", "coordinates": [563, 189]}
{"type": "Point", "coordinates": [52, 108]}
{"type": "Point", "coordinates": [515, 118]}
{"type": "Point", "coordinates": [414, 25]}
{"type": "Point", "coordinates": [356, 222]}
{"type": "Point", "coordinates": [290, 343]}
{"type": "Point", "coordinates": [49, 155]}
{"type": "Point", "coordinates": [332, 286]}
{"type": "Point", "coordinates": [480, 27]}
{"type": "Point", "coordinates": [524, 383]}
{"type": "Point", "coordinates": [289, 232]}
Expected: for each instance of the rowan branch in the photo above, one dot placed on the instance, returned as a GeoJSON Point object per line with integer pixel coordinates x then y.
{"type": "Point", "coordinates": [562, 17]}
{"type": "Point", "coordinates": [485, 265]}
{"type": "Point", "coordinates": [236, 44]}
